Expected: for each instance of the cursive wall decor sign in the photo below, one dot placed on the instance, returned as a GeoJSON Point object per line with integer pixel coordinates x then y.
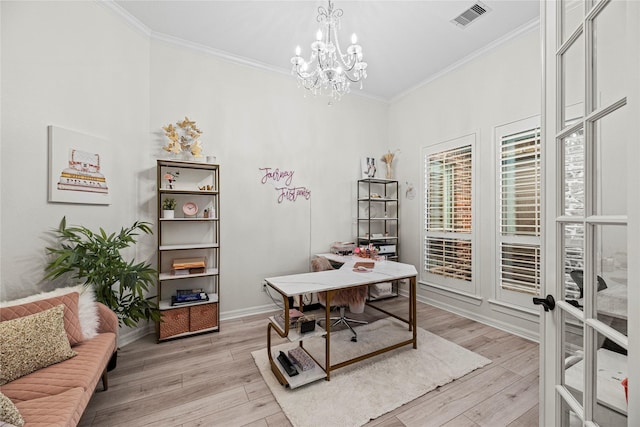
{"type": "Point", "coordinates": [277, 177]}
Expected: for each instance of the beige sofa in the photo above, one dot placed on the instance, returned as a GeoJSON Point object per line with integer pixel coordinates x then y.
{"type": "Point", "coordinates": [58, 394]}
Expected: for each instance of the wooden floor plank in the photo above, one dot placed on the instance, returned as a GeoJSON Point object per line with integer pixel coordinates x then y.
{"type": "Point", "coordinates": [507, 405]}
{"type": "Point", "coordinates": [529, 419]}
{"type": "Point", "coordinates": [449, 402]}
{"type": "Point", "coordinates": [460, 421]}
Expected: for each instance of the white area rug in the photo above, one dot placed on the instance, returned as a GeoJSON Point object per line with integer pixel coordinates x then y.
{"type": "Point", "coordinates": [366, 390]}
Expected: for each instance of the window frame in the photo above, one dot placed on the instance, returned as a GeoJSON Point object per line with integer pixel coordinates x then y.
{"type": "Point", "coordinates": [452, 284]}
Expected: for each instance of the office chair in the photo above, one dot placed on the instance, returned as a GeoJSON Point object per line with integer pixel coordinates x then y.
{"type": "Point", "coordinates": [354, 298]}
{"type": "Point", "coordinates": [578, 277]}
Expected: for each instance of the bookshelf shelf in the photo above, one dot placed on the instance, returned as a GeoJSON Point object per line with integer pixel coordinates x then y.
{"type": "Point", "coordinates": [166, 304]}
{"type": "Point", "coordinates": [188, 246]}
{"type": "Point", "coordinates": [187, 219]}
{"type": "Point", "coordinates": [170, 276]}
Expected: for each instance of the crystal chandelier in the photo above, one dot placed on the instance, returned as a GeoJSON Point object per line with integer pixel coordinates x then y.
{"type": "Point", "coordinates": [329, 70]}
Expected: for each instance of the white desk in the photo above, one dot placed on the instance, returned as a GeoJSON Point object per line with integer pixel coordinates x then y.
{"type": "Point", "coordinates": [612, 369]}
{"type": "Point", "coordinates": [613, 300]}
{"type": "Point", "coordinates": [330, 282]}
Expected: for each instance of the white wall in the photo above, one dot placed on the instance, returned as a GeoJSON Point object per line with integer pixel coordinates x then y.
{"type": "Point", "coordinates": [497, 88]}
{"type": "Point", "coordinates": [80, 66]}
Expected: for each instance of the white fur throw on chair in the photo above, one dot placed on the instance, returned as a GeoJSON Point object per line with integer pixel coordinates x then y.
{"type": "Point", "coordinates": [353, 297]}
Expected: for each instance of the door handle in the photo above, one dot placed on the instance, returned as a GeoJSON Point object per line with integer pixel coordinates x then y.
{"type": "Point", "coordinates": [548, 303]}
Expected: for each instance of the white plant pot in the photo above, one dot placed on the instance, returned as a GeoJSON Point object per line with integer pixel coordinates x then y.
{"type": "Point", "coordinates": [168, 214]}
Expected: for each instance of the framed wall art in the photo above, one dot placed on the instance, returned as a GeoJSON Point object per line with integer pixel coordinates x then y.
{"type": "Point", "coordinates": [79, 168]}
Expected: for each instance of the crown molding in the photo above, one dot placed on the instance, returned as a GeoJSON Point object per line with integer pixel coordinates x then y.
{"type": "Point", "coordinates": [134, 22]}
{"type": "Point", "coordinates": [523, 29]}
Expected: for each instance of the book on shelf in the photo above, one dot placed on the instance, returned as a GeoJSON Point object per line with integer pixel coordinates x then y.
{"type": "Point", "coordinates": [189, 298]}
{"type": "Point", "coordinates": [188, 263]}
{"type": "Point", "coordinates": [180, 272]}
{"type": "Point", "coordinates": [187, 271]}
{"type": "Point", "coordinates": [189, 291]}
{"type": "Point", "coordinates": [192, 296]}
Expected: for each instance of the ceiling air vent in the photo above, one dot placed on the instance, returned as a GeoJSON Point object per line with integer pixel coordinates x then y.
{"type": "Point", "coordinates": [470, 15]}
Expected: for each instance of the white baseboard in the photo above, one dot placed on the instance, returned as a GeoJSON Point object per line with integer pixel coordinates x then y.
{"type": "Point", "coordinates": [132, 335]}
{"type": "Point", "coordinates": [234, 314]}
{"type": "Point", "coordinates": [506, 327]}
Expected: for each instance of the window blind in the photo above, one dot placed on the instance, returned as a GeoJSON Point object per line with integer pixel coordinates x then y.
{"type": "Point", "coordinates": [448, 213]}
{"type": "Point", "coordinates": [520, 184]}
{"type": "Point", "coordinates": [519, 213]}
{"type": "Point", "coordinates": [448, 257]}
{"type": "Point", "coordinates": [520, 266]}
{"type": "Point", "coordinates": [449, 190]}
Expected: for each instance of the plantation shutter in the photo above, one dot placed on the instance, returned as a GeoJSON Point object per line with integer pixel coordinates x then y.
{"type": "Point", "coordinates": [448, 188]}
{"type": "Point", "coordinates": [519, 228]}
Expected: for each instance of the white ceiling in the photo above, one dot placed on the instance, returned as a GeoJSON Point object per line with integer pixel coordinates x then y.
{"type": "Point", "coordinates": [404, 42]}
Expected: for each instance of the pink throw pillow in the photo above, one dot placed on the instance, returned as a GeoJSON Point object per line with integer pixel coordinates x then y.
{"type": "Point", "coordinates": [71, 322]}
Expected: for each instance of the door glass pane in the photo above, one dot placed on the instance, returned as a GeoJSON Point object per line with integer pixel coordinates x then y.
{"type": "Point", "coordinates": [611, 276]}
{"type": "Point", "coordinates": [610, 408]}
{"type": "Point", "coordinates": [611, 143]}
{"type": "Point", "coordinates": [568, 417]}
{"type": "Point", "coordinates": [573, 164]}
{"type": "Point", "coordinates": [572, 62]}
{"type": "Point", "coordinates": [608, 56]}
{"type": "Point", "coordinates": [573, 352]}
{"type": "Point", "coordinates": [573, 261]}
{"type": "Point", "coordinates": [572, 13]}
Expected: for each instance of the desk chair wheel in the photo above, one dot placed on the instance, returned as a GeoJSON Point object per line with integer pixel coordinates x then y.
{"type": "Point", "coordinates": [354, 339]}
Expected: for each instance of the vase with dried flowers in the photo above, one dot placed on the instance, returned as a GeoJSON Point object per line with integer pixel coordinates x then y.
{"type": "Point", "coordinates": [388, 159]}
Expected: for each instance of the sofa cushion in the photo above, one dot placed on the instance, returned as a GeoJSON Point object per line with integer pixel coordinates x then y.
{"type": "Point", "coordinates": [33, 342]}
{"type": "Point", "coordinates": [9, 413]}
{"type": "Point", "coordinates": [60, 410]}
{"type": "Point", "coordinates": [87, 310]}
{"type": "Point", "coordinates": [83, 371]}
{"type": "Point", "coordinates": [71, 320]}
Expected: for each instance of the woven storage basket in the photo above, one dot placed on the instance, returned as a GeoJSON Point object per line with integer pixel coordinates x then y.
{"type": "Point", "coordinates": [203, 317]}
{"type": "Point", "coordinates": [174, 322]}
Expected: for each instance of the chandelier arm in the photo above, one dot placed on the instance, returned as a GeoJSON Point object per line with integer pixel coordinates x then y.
{"type": "Point", "coordinates": [304, 75]}
{"type": "Point", "coordinates": [355, 79]}
{"type": "Point", "coordinates": [352, 59]}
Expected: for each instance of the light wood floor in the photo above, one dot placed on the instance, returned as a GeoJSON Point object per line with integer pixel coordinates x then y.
{"type": "Point", "coordinates": [211, 380]}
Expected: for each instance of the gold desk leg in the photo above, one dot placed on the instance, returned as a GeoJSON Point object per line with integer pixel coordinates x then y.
{"type": "Point", "coordinates": [270, 326]}
{"type": "Point", "coordinates": [327, 344]}
{"type": "Point", "coordinates": [413, 314]}
{"type": "Point", "coordinates": [274, 368]}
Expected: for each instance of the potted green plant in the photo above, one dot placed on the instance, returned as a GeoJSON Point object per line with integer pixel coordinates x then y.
{"type": "Point", "coordinates": [96, 260]}
{"type": "Point", "coordinates": [168, 206]}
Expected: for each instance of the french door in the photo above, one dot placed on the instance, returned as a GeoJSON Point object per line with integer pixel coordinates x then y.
{"type": "Point", "coordinates": [590, 357]}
